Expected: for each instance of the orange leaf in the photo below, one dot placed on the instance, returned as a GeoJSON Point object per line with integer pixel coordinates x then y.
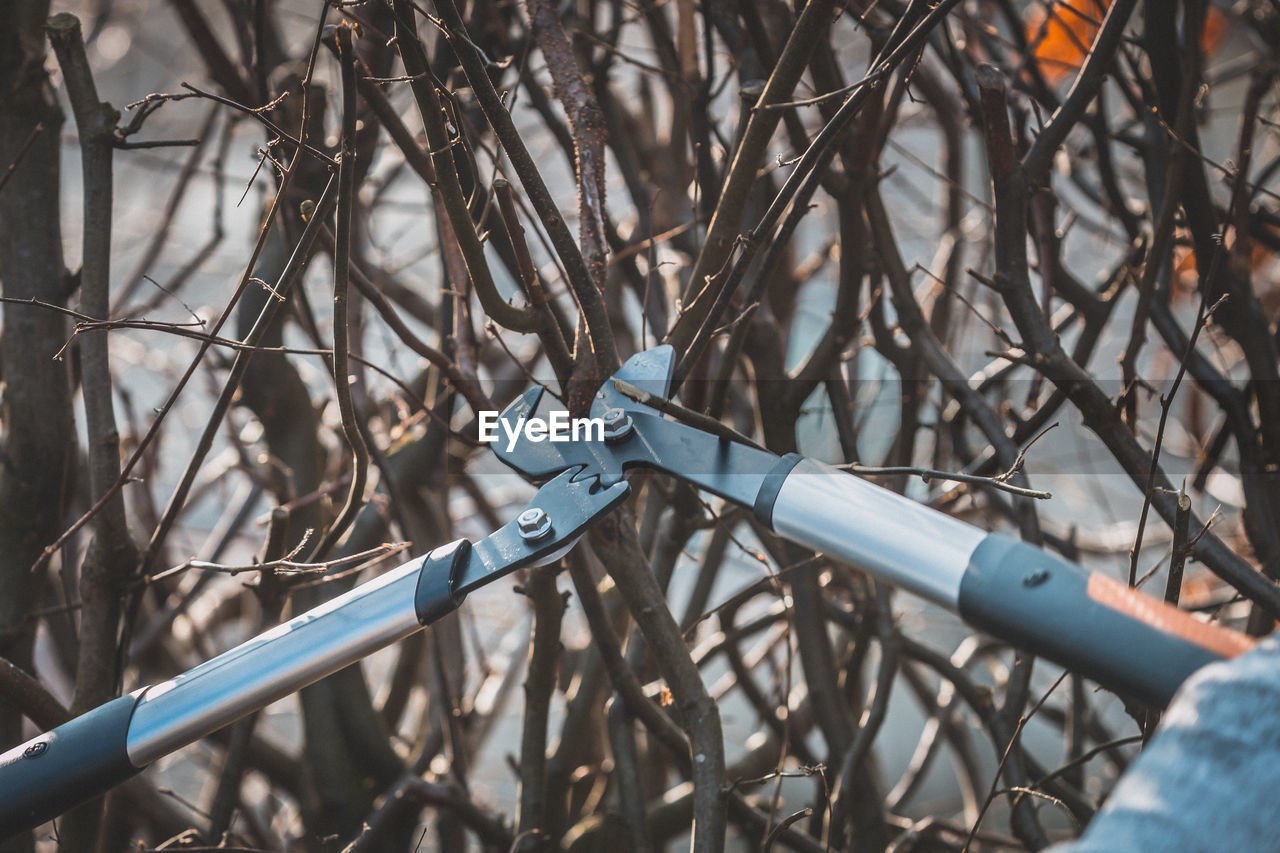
{"type": "Point", "coordinates": [1216, 27]}
{"type": "Point", "coordinates": [1062, 33]}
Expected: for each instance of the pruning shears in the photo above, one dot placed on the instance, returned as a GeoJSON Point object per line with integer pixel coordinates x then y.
{"type": "Point", "coordinates": [1087, 622]}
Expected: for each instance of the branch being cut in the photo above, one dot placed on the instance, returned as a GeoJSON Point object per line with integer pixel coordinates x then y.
{"type": "Point", "coordinates": [587, 125]}
{"type": "Point", "coordinates": [584, 287]}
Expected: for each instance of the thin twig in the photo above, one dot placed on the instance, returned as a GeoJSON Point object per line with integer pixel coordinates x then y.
{"type": "Point", "coordinates": [1203, 312]}
{"type": "Point", "coordinates": [928, 474]}
{"type": "Point", "coordinates": [22, 152]}
{"type": "Point", "coordinates": [286, 565]}
{"type": "Point", "coordinates": [1009, 749]}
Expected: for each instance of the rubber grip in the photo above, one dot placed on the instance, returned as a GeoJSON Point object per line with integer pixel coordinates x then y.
{"type": "Point", "coordinates": [771, 486]}
{"type": "Point", "coordinates": [64, 767]}
{"type": "Point", "coordinates": [1087, 622]}
{"type": "Point", "coordinates": [436, 594]}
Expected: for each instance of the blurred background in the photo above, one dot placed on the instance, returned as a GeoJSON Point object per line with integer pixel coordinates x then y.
{"type": "Point", "coordinates": [800, 199]}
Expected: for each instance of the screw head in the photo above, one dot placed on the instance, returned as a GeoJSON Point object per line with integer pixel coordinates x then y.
{"type": "Point", "coordinates": [617, 424]}
{"type": "Point", "coordinates": [534, 523]}
{"type": "Point", "coordinates": [35, 750]}
{"type": "Point", "coordinates": [1036, 578]}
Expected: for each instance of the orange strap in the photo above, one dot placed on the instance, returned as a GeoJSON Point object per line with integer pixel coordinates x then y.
{"type": "Point", "coordinates": [1223, 642]}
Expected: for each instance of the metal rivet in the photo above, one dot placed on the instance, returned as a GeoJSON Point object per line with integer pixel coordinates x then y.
{"type": "Point", "coordinates": [35, 750]}
{"type": "Point", "coordinates": [617, 424]}
{"type": "Point", "coordinates": [534, 523]}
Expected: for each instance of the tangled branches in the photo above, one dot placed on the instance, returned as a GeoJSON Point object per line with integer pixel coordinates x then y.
{"type": "Point", "coordinates": [905, 237]}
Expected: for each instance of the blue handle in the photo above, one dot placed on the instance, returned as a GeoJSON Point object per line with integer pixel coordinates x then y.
{"type": "Point", "coordinates": [49, 774]}
{"type": "Point", "coordinates": [1087, 622]}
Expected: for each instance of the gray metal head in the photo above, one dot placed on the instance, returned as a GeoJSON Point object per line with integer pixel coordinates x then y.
{"type": "Point", "coordinates": [635, 435]}
{"type": "Point", "coordinates": [649, 371]}
{"type": "Point", "coordinates": [537, 460]}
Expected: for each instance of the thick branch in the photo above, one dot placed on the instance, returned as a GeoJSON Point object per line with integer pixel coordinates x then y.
{"type": "Point", "coordinates": [114, 556]}
{"type": "Point", "coordinates": [580, 280]}
{"type": "Point", "coordinates": [341, 278]}
{"type": "Point", "coordinates": [447, 186]}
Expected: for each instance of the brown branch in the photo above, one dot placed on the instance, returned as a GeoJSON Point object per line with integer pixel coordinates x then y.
{"type": "Point", "coordinates": [1045, 353]}
{"type": "Point", "coordinates": [624, 680]}
{"type": "Point", "coordinates": [113, 557]}
{"type": "Point", "coordinates": [695, 324]}
{"type": "Point", "coordinates": [681, 413]}
{"type": "Point", "coordinates": [722, 233]}
{"type": "Point", "coordinates": [25, 693]}
{"type": "Point", "coordinates": [342, 319]}
{"type": "Point", "coordinates": [928, 474]}
{"type": "Point", "coordinates": [37, 430]}
{"type": "Point", "coordinates": [288, 566]}
{"type": "Point", "coordinates": [1083, 90]}
{"type": "Point", "coordinates": [587, 126]}
{"type": "Point", "coordinates": [552, 335]}
{"type": "Point", "coordinates": [539, 684]}
{"type": "Point", "coordinates": [447, 187]}
{"type": "Point", "coordinates": [1181, 547]}
{"type": "Point", "coordinates": [615, 541]}
{"type": "Point", "coordinates": [585, 290]}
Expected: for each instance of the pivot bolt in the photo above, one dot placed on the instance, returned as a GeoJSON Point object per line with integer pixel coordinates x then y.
{"type": "Point", "coordinates": [617, 424]}
{"type": "Point", "coordinates": [534, 524]}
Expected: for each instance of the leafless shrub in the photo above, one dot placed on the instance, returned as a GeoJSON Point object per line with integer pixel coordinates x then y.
{"type": "Point", "coordinates": [909, 235]}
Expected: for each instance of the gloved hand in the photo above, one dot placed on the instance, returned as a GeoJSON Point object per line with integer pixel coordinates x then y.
{"type": "Point", "coordinates": [1207, 781]}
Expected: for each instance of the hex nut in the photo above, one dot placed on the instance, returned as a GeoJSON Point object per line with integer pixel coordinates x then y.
{"type": "Point", "coordinates": [534, 523]}
{"type": "Point", "coordinates": [617, 424]}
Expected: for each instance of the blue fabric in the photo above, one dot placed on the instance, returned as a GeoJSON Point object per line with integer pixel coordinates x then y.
{"type": "Point", "coordinates": [1209, 778]}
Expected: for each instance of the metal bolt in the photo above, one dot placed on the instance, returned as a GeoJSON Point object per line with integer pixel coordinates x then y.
{"type": "Point", "coordinates": [534, 523]}
{"type": "Point", "coordinates": [617, 424]}
{"type": "Point", "coordinates": [35, 750]}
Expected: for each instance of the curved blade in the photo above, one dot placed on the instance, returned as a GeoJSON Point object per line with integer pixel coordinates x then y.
{"type": "Point", "coordinates": [650, 371]}
{"type": "Point", "coordinates": [540, 459]}
{"type": "Point", "coordinates": [571, 506]}
{"type": "Point", "coordinates": [536, 460]}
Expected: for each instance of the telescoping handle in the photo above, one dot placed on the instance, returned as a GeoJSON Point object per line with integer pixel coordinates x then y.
{"type": "Point", "coordinates": [96, 751]}
{"type": "Point", "coordinates": [1090, 623]}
